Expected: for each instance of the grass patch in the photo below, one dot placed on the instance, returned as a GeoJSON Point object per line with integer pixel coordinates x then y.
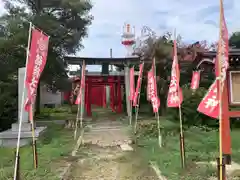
{"type": "Point", "coordinates": [200, 144]}
{"type": "Point", "coordinates": [60, 113]}
{"type": "Point", "coordinates": [53, 149]}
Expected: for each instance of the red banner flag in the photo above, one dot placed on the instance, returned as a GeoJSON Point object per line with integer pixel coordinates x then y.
{"type": "Point", "coordinates": [222, 61]}
{"type": "Point", "coordinates": [153, 91]}
{"type": "Point", "coordinates": [210, 104]}
{"type": "Point", "coordinates": [223, 48]}
{"type": "Point", "coordinates": [37, 58]}
{"type": "Point", "coordinates": [195, 80]}
{"type": "Point", "coordinates": [132, 84]}
{"type": "Point", "coordinates": [148, 87]}
{"type": "Point", "coordinates": [82, 85]}
{"type": "Point", "coordinates": [174, 98]}
{"type": "Point", "coordinates": [136, 94]}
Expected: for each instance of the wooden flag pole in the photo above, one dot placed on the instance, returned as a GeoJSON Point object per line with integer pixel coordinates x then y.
{"type": "Point", "coordinates": [182, 144]}
{"type": "Point", "coordinates": [16, 168]}
{"type": "Point", "coordinates": [181, 136]}
{"type": "Point", "coordinates": [220, 127]}
{"type": "Point", "coordinates": [130, 118]}
{"type": "Point", "coordinates": [34, 146]}
{"type": "Point", "coordinates": [157, 113]}
{"type": "Point", "coordinates": [77, 119]}
{"type": "Point", "coordinates": [136, 116]}
{"type": "Point", "coordinates": [138, 101]}
{"type": "Point", "coordinates": [159, 130]}
{"type": "Point", "coordinates": [220, 87]}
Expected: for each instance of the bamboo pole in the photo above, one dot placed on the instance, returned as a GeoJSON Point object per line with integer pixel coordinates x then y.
{"type": "Point", "coordinates": [182, 145]}
{"type": "Point", "coordinates": [77, 119]}
{"type": "Point", "coordinates": [220, 128]}
{"type": "Point", "coordinates": [34, 147]}
{"type": "Point", "coordinates": [220, 94]}
{"type": "Point", "coordinates": [130, 117]}
{"type": "Point", "coordinates": [157, 113]}
{"type": "Point", "coordinates": [137, 106]}
{"type": "Point", "coordinates": [159, 131]}
{"type": "Point", "coordinates": [16, 168]}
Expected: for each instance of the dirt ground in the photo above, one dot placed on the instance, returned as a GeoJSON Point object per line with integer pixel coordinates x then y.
{"type": "Point", "coordinates": [109, 163]}
{"type": "Point", "coordinates": [101, 158]}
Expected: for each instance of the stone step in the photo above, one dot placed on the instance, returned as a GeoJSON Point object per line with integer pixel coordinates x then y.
{"type": "Point", "coordinates": [9, 138]}
{"type": "Point", "coordinates": [126, 147]}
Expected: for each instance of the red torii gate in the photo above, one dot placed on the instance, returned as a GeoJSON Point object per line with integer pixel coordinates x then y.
{"type": "Point", "coordinates": [95, 92]}
{"type": "Point", "coordinates": [96, 83]}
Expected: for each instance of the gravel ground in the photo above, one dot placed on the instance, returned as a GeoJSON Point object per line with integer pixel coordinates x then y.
{"type": "Point", "coordinates": [109, 163]}
{"type": "Point", "coordinates": [101, 158]}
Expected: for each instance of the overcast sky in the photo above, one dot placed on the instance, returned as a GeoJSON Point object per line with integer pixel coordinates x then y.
{"type": "Point", "coordinates": [194, 19]}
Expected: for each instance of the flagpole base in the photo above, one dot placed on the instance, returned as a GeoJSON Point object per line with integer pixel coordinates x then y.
{"type": "Point", "coordinates": [182, 150]}
{"type": "Point", "coordinates": [18, 167]}
{"type": "Point", "coordinates": [35, 154]}
{"type": "Point", "coordinates": [223, 168]}
{"type": "Point", "coordinates": [228, 159]}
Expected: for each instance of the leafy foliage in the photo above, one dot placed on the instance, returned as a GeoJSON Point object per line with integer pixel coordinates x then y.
{"type": "Point", "coordinates": [65, 21]}
{"type": "Point", "coordinates": [149, 128]}
{"type": "Point", "coordinates": [55, 144]}
{"type": "Point", "coordinates": [8, 104]}
{"type": "Point", "coordinates": [234, 40]}
{"type": "Point", "coordinates": [190, 115]}
{"type": "Point", "coordinates": [161, 48]}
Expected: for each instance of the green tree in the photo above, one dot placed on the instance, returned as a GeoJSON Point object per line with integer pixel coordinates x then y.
{"type": "Point", "coordinates": [65, 21]}
{"type": "Point", "coordinates": [161, 47]}
{"type": "Point", "coordinates": [234, 40]}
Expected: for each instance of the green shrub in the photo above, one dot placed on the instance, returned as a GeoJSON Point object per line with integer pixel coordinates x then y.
{"type": "Point", "coordinates": [8, 104]}
{"type": "Point", "coordinates": [54, 110]}
{"type": "Point", "coordinates": [190, 115]}
{"type": "Point", "coordinates": [150, 128]}
{"type": "Point", "coordinates": [74, 109]}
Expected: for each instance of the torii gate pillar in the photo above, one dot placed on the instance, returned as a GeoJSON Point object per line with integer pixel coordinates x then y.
{"type": "Point", "coordinates": [127, 86]}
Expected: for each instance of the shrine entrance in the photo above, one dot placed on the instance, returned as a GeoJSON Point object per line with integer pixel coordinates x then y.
{"type": "Point", "coordinates": [105, 89]}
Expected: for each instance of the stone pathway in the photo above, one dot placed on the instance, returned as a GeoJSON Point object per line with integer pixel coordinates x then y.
{"type": "Point", "coordinates": [101, 158]}
{"type": "Point", "coordinates": [109, 133]}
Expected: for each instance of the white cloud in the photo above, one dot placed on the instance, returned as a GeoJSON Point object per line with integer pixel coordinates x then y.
{"type": "Point", "coordinates": [2, 10]}
{"type": "Point", "coordinates": [194, 20]}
